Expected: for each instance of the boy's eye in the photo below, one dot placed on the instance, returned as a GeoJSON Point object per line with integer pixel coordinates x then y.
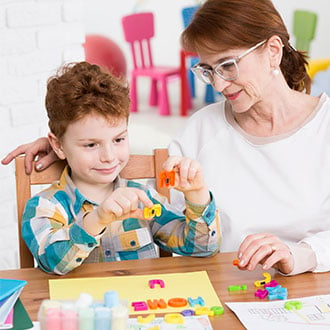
{"type": "Point", "coordinates": [90, 145]}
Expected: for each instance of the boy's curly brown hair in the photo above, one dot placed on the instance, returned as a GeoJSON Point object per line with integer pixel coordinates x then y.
{"type": "Point", "coordinates": [78, 89]}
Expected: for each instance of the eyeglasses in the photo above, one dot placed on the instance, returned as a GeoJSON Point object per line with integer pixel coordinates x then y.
{"type": "Point", "coordinates": [227, 70]}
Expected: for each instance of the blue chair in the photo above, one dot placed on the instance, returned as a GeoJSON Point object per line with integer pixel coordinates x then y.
{"type": "Point", "coordinates": [187, 14]}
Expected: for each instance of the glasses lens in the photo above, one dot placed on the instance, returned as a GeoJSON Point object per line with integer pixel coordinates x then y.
{"type": "Point", "coordinates": [227, 70]}
{"type": "Point", "coordinates": [203, 74]}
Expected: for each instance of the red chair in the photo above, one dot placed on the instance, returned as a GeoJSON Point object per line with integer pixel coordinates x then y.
{"type": "Point", "coordinates": [138, 30]}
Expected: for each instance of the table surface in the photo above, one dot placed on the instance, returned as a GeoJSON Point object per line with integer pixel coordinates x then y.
{"type": "Point", "coordinates": [220, 270]}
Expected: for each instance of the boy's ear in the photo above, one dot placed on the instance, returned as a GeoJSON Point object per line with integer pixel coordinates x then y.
{"type": "Point", "coordinates": [56, 145]}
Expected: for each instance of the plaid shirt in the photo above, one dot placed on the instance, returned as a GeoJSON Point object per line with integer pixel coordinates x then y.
{"type": "Point", "coordinates": [53, 230]}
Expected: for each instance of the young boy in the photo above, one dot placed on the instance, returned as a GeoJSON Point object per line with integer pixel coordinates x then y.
{"type": "Point", "coordinates": [91, 214]}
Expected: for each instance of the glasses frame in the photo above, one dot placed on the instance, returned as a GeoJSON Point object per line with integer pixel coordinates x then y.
{"type": "Point", "coordinates": [197, 69]}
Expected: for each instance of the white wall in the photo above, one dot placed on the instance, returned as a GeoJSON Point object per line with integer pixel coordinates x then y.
{"type": "Point", "coordinates": [36, 36]}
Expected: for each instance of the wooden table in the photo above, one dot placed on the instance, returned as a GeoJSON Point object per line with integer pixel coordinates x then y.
{"type": "Point", "coordinates": [219, 268]}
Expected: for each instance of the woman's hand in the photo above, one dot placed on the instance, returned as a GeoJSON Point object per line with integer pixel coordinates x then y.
{"type": "Point", "coordinates": [267, 250]}
{"type": "Point", "coordinates": [39, 150]}
{"type": "Point", "coordinates": [188, 178]}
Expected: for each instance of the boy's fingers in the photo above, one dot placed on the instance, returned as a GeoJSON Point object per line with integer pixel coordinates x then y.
{"type": "Point", "coordinates": [144, 198]}
{"type": "Point", "coordinates": [138, 214]}
{"type": "Point", "coordinates": [171, 162]}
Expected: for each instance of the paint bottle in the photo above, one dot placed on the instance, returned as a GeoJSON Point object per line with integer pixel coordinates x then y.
{"type": "Point", "coordinates": [86, 318]}
{"type": "Point", "coordinates": [102, 318]}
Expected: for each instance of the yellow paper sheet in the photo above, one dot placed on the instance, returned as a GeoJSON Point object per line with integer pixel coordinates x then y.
{"type": "Point", "coordinates": [136, 288]}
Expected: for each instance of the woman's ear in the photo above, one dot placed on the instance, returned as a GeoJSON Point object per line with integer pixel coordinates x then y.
{"type": "Point", "coordinates": [56, 145]}
{"type": "Point", "coordinates": [275, 47]}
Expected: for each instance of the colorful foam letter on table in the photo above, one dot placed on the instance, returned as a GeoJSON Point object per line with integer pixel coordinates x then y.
{"type": "Point", "coordinates": [235, 262]}
{"type": "Point", "coordinates": [262, 294]}
{"type": "Point", "coordinates": [188, 312]}
{"type": "Point", "coordinates": [271, 284]}
{"type": "Point", "coordinates": [150, 212]}
{"type": "Point", "coordinates": [174, 318]}
{"type": "Point", "coordinates": [277, 292]}
{"type": "Point", "coordinates": [156, 303]}
{"type": "Point", "coordinates": [267, 279]}
{"type": "Point", "coordinates": [293, 304]}
{"type": "Point", "coordinates": [204, 311]}
{"type": "Point", "coordinates": [217, 310]}
{"type": "Point", "coordinates": [146, 319]}
{"type": "Point", "coordinates": [177, 302]}
{"type": "Point", "coordinates": [166, 178]}
{"type": "Point", "coordinates": [232, 288]}
{"type": "Point", "coordinates": [152, 283]}
{"type": "Point", "coordinates": [198, 301]}
{"type": "Point", "coordinates": [140, 306]}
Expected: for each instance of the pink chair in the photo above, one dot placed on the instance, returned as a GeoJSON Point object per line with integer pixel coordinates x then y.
{"type": "Point", "coordinates": [138, 30]}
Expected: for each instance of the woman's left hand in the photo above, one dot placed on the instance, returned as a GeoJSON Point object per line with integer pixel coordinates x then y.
{"type": "Point", "coordinates": [267, 250]}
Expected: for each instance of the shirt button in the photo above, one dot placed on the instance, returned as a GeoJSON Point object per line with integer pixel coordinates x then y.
{"type": "Point", "coordinates": [107, 252]}
{"type": "Point", "coordinates": [78, 259]}
{"type": "Point", "coordinates": [90, 245]}
{"type": "Point", "coordinates": [133, 243]}
{"type": "Point", "coordinates": [208, 214]}
{"type": "Point", "coordinates": [213, 232]}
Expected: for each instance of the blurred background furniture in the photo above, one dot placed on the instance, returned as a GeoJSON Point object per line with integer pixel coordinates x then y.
{"type": "Point", "coordinates": [187, 15]}
{"type": "Point", "coordinates": [304, 26]}
{"type": "Point", "coordinates": [139, 30]}
{"type": "Point", "coordinates": [104, 52]}
{"type": "Point", "coordinates": [319, 71]}
{"type": "Point", "coordinates": [317, 64]}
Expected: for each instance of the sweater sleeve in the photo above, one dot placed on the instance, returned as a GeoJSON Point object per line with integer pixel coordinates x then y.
{"type": "Point", "coordinates": [58, 242]}
{"type": "Point", "coordinates": [193, 232]}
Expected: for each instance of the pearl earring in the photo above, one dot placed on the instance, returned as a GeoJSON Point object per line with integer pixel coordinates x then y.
{"type": "Point", "coordinates": [276, 72]}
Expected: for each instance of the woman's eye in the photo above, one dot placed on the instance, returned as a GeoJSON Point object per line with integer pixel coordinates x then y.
{"type": "Point", "coordinates": [119, 140]}
{"type": "Point", "coordinates": [205, 73]}
{"type": "Point", "coordinates": [227, 66]}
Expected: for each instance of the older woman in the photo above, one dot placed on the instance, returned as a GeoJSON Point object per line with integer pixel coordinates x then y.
{"type": "Point", "coordinates": [265, 148]}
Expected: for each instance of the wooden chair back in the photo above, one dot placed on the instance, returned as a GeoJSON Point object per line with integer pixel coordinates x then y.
{"type": "Point", "coordinates": [138, 167]}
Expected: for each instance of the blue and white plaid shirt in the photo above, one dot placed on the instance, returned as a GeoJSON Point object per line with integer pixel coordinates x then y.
{"type": "Point", "coordinates": [53, 230]}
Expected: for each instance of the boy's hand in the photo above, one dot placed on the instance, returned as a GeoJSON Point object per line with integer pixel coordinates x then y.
{"type": "Point", "coordinates": [188, 173]}
{"type": "Point", "coordinates": [188, 178]}
{"type": "Point", "coordinates": [123, 204]}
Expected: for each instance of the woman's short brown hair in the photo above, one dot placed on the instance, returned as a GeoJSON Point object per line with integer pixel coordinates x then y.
{"type": "Point", "coordinates": [78, 89]}
{"type": "Point", "coordinates": [228, 24]}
